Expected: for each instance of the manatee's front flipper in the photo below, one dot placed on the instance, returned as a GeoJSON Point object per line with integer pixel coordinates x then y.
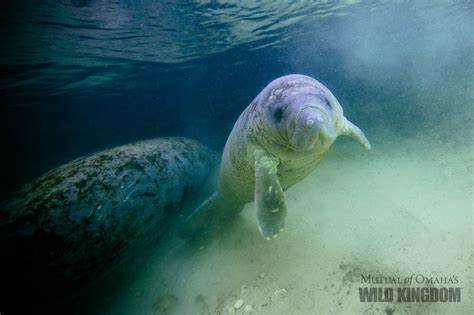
{"type": "Point", "coordinates": [351, 130]}
{"type": "Point", "coordinates": [269, 198]}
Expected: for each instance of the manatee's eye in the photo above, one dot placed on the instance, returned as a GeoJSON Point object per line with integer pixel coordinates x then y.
{"type": "Point", "coordinates": [278, 114]}
{"type": "Point", "coordinates": [326, 102]}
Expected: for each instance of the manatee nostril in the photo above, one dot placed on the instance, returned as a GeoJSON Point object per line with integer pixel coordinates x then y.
{"type": "Point", "coordinates": [312, 122]}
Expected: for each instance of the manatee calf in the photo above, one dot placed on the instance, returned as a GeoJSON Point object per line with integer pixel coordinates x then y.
{"type": "Point", "coordinates": [276, 142]}
{"type": "Point", "coordinates": [81, 219]}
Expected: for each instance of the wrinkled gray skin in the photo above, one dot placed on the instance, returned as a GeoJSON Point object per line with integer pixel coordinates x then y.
{"type": "Point", "coordinates": [82, 218]}
{"type": "Point", "coordinates": [276, 142]}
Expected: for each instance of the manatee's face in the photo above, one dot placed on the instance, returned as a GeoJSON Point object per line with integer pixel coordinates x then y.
{"type": "Point", "coordinates": [305, 120]}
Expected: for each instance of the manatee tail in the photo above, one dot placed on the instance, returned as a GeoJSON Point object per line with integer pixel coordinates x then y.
{"type": "Point", "coordinates": [208, 216]}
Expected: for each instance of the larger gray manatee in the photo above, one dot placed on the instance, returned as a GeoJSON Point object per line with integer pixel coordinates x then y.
{"type": "Point", "coordinates": [276, 142]}
{"type": "Point", "coordinates": [83, 218]}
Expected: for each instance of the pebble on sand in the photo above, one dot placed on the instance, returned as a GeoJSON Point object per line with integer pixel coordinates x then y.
{"type": "Point", "coordinates": [238, 304]}
{"type": "Point", "coordinates": [280, 292]}
{"type": "Point", "coordinates": [248, 308]}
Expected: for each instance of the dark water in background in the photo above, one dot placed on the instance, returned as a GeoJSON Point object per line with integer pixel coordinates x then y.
{"type": "Point", "coordinates": [80, 76]}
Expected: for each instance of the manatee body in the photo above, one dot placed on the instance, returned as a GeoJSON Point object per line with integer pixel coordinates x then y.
{"type": "Point", "coordinates": [82, 218]}
{"type": "Point", "coordinates": [276, 142]}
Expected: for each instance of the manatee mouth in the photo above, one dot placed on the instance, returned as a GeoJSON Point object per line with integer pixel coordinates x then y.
{"type": "Point", "coordinates": [320, 118]}
{"type": "Point", "coordinates": [308, 128]}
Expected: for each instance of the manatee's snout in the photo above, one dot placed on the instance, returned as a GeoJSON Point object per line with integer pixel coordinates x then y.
{"type": "Point", "coordinates": [311, 127]}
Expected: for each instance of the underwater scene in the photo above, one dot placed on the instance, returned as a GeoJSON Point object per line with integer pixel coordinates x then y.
{"type": "Point", "coordinates": [219, 157]}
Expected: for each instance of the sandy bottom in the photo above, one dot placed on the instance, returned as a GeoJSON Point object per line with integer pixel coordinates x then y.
{"type": "Point", "coordinates": [402, 209]}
